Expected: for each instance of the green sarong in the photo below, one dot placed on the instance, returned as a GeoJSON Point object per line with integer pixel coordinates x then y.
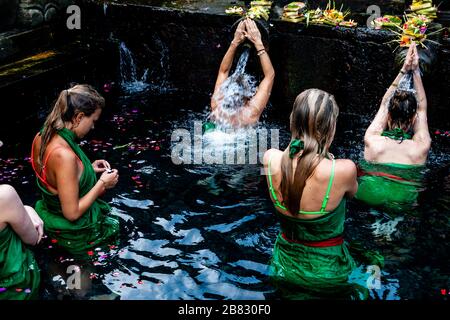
{"type": "Point", "coordinates": [208, 126]}
{"type": "Point", "coordinates": [389, 186]}
{"type": "Point", "coordinates": [302, 258]}
{"type": "Point", "coordinates": [19, 272]}
{"type": "Point", "coordinates": [94, 228]}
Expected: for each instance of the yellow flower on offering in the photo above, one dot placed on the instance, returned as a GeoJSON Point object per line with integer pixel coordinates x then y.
{"type": "Point", "coordinates": [235, 10]}
{"type": "Point", "coordinates": [405, 41]}
{"type": "Point", "coordinates": [258, 13]}
{"type": "Point", "coordinates": [330, 16]}
{"type": "Point", "coordinates": [424, 7]}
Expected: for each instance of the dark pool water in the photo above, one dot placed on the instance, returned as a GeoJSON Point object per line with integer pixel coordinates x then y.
{"type": "Point", "coordinates": [207, 231]}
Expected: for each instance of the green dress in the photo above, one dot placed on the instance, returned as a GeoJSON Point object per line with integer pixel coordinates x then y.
{"type": "Point", "coordinates": [94, 228]}
{"type": "Point", "coordinates": [310, 253]}
{"type": "Point", "coordinates": [19, 272]}
{"type": "Point", "coordinates": [390, 186]}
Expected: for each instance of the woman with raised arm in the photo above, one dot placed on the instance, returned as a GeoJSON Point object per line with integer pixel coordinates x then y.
{"type": "Point", "coordinates": [74, 215]}
{"type": "Point", "coordinates": [235, 102]}
{"type": "Point", "coordinates": [309, 188]}
{"type": "Point", "coordinates": [397, 143]}
{"type": "Point", "coordinates": [19, 226]}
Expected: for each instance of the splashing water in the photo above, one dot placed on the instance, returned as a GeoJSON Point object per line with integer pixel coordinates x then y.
{"type": "Point", "coordinates": [129, 79]}
{"type": "Point", "coordinates": [234, 93]}
{"type": "Point", "coordinates": [386, 229]}
{"type": "Point", "coordinates": [406, 83]}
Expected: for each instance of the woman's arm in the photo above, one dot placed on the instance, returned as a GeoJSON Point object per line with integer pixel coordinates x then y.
{"type": "Point", "coordinates": [261, 98]}
{"type": "Point", "coordinates": [421, 132]}
{"type": "Point", "coordinates": [64, 165]}
{"type": "Point", "coordinates": [14, 213]}
{"type": "Point", "coordinates": [379, 122]}
{"type": "Point", "coordinates": [227, 61]}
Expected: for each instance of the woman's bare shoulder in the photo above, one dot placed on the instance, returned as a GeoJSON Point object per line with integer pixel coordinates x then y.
{"type": "Point", "coordinates": [345, 169]}
{"type": "Point", "coordinates": [273, 154]}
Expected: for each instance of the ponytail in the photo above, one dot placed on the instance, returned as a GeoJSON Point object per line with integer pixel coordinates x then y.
{"type": "Point", "coordinates": [53, 123]}
{"type": "Point", "coordinates": [80, 98]}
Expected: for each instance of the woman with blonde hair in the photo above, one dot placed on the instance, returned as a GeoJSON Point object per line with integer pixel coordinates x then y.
{"type": "Point", "coordinates": [71, 208]}
{"type": "Point", "coordinates": [309, 189]}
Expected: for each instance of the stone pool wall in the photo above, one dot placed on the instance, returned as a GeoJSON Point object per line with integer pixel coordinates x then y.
{"type": "Point", "coordinates": [356, 65]}
{"type": "Point", "coordinates": [181, 43]}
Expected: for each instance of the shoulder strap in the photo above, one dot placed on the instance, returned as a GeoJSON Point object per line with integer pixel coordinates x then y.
{"type": "Point", "coordinates": [327, 194]}
{"type": "Point", "coordinates": [44, 165]}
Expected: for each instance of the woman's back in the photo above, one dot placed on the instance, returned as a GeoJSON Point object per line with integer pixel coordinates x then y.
{"type": "Point", "coordinates": [326, 184]}
{"type": "Point", "coordinates": [52, 156]}
{"type": "Point", "coordinates": [242, 117]}
{"type": "Point", "coordinates": [381, 149]}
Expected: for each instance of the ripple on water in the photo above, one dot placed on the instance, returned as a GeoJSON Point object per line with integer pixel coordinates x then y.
{"type": "Point", "coordinates": [146, 262]}
{"type": "Point", "coordinates": [156, 247]}
{"type": "Point", "coordinates": [252, 265]}
{"type": "Point", "coordinates": [132, 203]}
{"type": "Point", "coordinates": [227, 227]}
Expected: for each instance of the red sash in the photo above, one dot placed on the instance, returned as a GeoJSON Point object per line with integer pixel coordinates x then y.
{"type": "Point", "coordinates": [324, 243]}
{"type": "Point", "coordinates": [380, 174]}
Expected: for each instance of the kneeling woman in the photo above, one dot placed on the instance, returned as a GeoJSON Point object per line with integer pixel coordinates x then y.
{"type": "Point", "coordinates": [309, 189]}
{"type": "Point", "coordinates": [70, 206]}
{"type": "Point", "coordinates": [396, 145]}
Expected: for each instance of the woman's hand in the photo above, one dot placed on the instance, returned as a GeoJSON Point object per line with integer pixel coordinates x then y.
{"type": "Point", "coordinates": [101, 166]}
{"type": "Point", "coordinates": [407, 65]}
{"type": "Point", "coordinates": [239, 34]}
{"type": "Point", "coordinates": [110, 179]}
{"type": "Point", "coordinates": [37, 222]}
{"type": "Point", "coordinates": [253, 34]}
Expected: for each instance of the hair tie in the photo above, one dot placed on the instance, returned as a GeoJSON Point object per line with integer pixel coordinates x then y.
{"type": "Point", "coordinates": [295, 147]}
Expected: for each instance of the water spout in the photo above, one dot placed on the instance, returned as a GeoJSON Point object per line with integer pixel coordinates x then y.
{"type": "Point", "coordinates": [406, 83]}
{"type": "Point", "coordinates": [128, 72]}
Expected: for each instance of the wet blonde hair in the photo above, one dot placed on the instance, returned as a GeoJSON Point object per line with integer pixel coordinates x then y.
{"type": "Point", "coordinates": [313, 120]}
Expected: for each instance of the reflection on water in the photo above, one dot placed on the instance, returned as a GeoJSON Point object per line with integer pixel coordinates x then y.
{"type": "Point", "coordinates": [207, 231]}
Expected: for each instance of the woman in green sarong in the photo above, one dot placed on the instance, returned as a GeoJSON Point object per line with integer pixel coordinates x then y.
{"type": "Point", "coordinates": [75, 217]}
{"type": "Point", "coordinates": [19, 226]}
{"type": "Point", "coordinates": [309, 189]}
{"type": "Point", "coordinates": [397, 143]}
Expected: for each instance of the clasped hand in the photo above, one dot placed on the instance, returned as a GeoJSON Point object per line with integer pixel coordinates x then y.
{"type": "Point", "coordinates": [247, 29]}
{"type": "Point", "coordinates": [412, 58]}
